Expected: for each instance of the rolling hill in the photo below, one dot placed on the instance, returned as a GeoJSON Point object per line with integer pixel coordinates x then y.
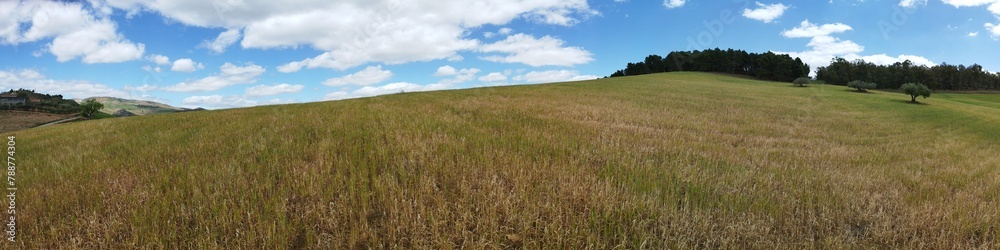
{"type": "Point", "coordinates": [116, 106]}
{"type": "Point", "coordinates": [661, 161]}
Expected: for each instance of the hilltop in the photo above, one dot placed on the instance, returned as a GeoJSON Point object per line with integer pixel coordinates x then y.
{"type": "Point", "coordinates": [660, 161]}
{"type": "Point", "coordinates": [124, 107]}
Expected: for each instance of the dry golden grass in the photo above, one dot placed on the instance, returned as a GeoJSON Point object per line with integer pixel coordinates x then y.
{"type": "Point", "coordinates": [677, 160]}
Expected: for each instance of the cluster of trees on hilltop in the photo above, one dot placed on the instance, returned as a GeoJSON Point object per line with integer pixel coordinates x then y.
{"type": "Point", "coordinates": [766, 66]}
{"type": "Point", "coordinates": [940, 77]}
{"type": "Point", "coordinates": [42, 102]}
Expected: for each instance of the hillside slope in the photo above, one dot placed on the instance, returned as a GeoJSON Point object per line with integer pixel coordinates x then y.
{"type": "Point", "coordinates": [137, 107]}
{"type": "Point", "coordinates": [676, 160]}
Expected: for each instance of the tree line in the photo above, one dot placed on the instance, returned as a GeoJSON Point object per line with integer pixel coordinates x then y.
{"type": "Point", "coordinates": [765, 66]}
{"type": "Point", "coordinates": [39, 102]}
{"type": "Point", "coordinates": [939, 77]}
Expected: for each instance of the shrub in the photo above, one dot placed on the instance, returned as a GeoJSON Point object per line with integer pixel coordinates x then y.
{"type": "Point", "coordinates": [914, 90]}
{"type": "Point", "coordinates": [801, 81]}
{"type": "Point", "coordinates": [862, 86]}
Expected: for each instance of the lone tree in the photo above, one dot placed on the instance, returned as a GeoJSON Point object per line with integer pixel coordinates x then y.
{"type": "Point", "coordinates": [89, 107]}
{"type": "Point", "coordinates": [862, 86]}
{"type": "Point", "coordinates": [914, 90]}
{"type": "Point", "coordinates": [801, 81]}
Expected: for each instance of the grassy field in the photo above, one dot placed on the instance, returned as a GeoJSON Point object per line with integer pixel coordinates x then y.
{"type": "Point", "coordinates": [676, 160]}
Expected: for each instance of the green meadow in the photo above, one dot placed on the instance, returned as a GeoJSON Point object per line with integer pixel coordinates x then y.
{"type": "Point", "coordinates": [660, 161]}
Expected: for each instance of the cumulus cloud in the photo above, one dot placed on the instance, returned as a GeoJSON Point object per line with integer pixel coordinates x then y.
{"type": "Point", "coordinates": [670, 4]}
{"type": "Point", "coordinates": [536, 52]}
{"type": "Point", "coordinates": [221, 42]}
{"type": "Point", "coordinates": [502, 31]}
{"type": "Point", "coordinates": [228, 75]}
{"type": "Point", "coordinates": [823, 47]}
{"type": "Point", "coordinates": [553, 76]}
{"type": "Point", "coordinates": [368, 76]}
{"type": "Point", "coordinates": [31, 79]}
{"type": "Point", "coordinates": [765, 12]}
{"type": "Point", "coordinates": [992, 5]}
{"type": "Point", "coordinates": [883, 59]}
{"type": "Point", "coordinates": [159, 59]}
{"type": "Point", "coordinates": [75, 31]}
{"type": "Point", "coordinates": [267, 90]}
{"type": "Point", "coordinates": [994, 30]}
{"type": "Point", "coordinates": [458, 75]}
{"type": "Point", "coordinates": [807, 29]}
{"type": "Point", "coordinates": [494, 77]}
{"type": "Point", "coordinates": [218, 101]}
{"type": "Point", "coordinates": [186, 65]}
{"type": "Point", "coordinates": [351, 33]}
{"type": "Point", "coordinates": [392, 88]}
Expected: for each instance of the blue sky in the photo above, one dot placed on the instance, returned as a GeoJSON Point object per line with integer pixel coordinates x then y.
{"type": "Point", "coordinates": [225, 54]}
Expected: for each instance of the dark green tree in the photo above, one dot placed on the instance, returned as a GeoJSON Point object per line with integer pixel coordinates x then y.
{"type": "Point", "coordinates": [914, 90]}
{"type": "Point", "coordinates": [89, 107]}
{"type": "Point", "coordinates": [655, 64]}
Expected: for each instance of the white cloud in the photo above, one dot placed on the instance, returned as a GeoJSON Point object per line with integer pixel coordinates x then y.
{"type": "Point", "coordinates": [502, 31]}
{"type": "Point", "coordinates": [31, 79]}
{"type": "Point", "coordinates": [186, 65]}
{"type": "Point", "coordinates": [446, 70]}
{"type": "Point", "coordinates": [993, 4]}
{"type": "Point", "coordinates": [159, 59]}
{"type": "Point", "coordinates": [973, 34]}
{"type": "Point", "coordinates": [670, 4]}
{"type": "Point", "coordinates": [143, 88]}
{"type": "Point", "coordinates": [553, 76]}
{"type": "Point", "coordinates": [994, 30]}
{"type": "Point", "coordinates": [228, 75]}
{"type": "Point", "coordinates": [75, 31]}
{"type": "Point", "coordinates": [218, 101]}
{"type": "Point", "coordinates": [912, 3]}
{"type": "Point", "coordinates": [148, 68]}
{"type": "Point", "coordinates": [766, 12]}
{"type": "Point", "coordinates": [392, 88]}
{"type": "Point", "coordinates": [368, 76]}
{"type": "Point", "coordinates": [460, 76]}
{"type": "Point", "coordinates": [221, 42]}
{"type": "Point", "coordinates": [807, 29]}
{"type": "Point", "coordinates": [267, 90]}
{"type": "Point", "coordinates": [526, 49]}
{"type": "Point", "coordinates": [351, 33]}
{"type": "Point", "coordinates": [494, 77]}
{"type": "Point", "coordinates": [823, 47]}
{"type": "Point", "coordinates": [883, 59]}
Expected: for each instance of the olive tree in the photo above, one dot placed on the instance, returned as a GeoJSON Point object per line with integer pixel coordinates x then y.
{"type": "Point", "coordinates": [801, 81]}
{"type": "Point", "coordinates": [89, 107]}
{"type": "Point", "coordinates": [862, 86]}
{"type": "Point", "coordinates": [914, 90]}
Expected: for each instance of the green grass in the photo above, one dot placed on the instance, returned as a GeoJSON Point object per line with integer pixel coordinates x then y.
{"type": "Point", "coordinates": [676, 160]}
{"type": "Point", "coordinates": [102, 115]}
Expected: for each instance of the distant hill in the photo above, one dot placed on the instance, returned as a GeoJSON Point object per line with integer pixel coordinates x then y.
{"type": "Point", "coordinates": [128, 107]}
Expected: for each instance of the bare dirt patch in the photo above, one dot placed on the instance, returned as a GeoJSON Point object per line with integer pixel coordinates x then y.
{"type": "Point", "coordinates": [12, 120]}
